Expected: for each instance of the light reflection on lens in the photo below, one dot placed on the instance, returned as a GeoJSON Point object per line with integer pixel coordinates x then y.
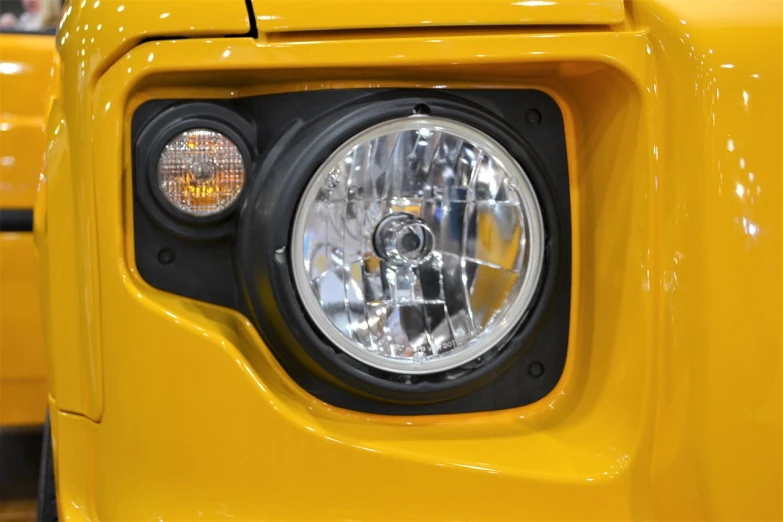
{"type": "Point", "coordinates": [418, 245]}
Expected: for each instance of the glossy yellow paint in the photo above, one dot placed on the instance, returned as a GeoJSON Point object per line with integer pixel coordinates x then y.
{"type": "Point", "coordinates": [25, 75]}
{"type": "Point", "coordinates": [22, 375]}
{"type": "Point", "coordinates": [25, 72]}
{"type": "Point", "coordinates": [670, 403]}
{"type": "Point", "coordinates": [102, 30]}
{"type": "Point", "coordinates": [718, 164]}
{"type": "Point", "coordinates": [315, 15]}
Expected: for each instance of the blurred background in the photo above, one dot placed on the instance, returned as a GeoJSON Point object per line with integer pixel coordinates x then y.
{"type": "Point", "coordinates": [26, 53]}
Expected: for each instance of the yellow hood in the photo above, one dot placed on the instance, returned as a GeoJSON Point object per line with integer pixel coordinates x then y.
{"type": "Point", "coordinates": [316, 15]}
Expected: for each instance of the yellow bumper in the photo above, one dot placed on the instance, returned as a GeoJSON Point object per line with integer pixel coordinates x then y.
{"type": "Point", "coordinates": [670, 403]}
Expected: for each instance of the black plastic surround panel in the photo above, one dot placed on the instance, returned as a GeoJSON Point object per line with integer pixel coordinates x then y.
{"type": "Point", "coordinates": [240, 260]}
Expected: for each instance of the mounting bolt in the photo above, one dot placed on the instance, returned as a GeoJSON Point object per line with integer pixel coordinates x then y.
{"type": "Point", "coordinates": [166, 256]}
{"type": "Point", "coordinates": [535, 369]}
{"type": "Point", "coordinates": [533, 117]}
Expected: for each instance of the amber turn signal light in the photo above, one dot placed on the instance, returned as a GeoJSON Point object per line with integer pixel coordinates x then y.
{"type": "Point", "coordinates": [201, 172]}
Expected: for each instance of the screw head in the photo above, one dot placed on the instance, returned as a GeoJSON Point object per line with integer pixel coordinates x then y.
{"type": "Point", "coordinates": [535, 369]}
{"type": "Point", "coordinates": [166, 256]}
{"type": "Point", "coordinates": [533, 117]}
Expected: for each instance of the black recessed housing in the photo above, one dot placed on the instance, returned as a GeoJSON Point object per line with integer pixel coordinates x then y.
{"type": "Point", "coordinates": [154, 137]}
{"type": "Point", "coordinates": [285, 138]}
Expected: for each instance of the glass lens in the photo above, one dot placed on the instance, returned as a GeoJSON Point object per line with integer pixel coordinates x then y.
{"type": "Point", "coordinates": [418, 245]}
{"type": "Point", "coordinates": [201, 172]}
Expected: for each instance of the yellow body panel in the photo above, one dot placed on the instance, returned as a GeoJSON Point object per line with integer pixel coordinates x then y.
{"type": "Point", "coordinates": [670, 403]}
{"type": "Point", "coordinates": [25, 76]}
{"type": "Point", "coordinates": [312, 15]}
{"type": "Point", "coordinates": [22, 370]}
{"type": "Point", "coordinates": [103, 31]}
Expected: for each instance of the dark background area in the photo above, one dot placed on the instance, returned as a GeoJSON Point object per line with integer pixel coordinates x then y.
{"type": "Point", "coordinates": [11, 6]}
{"type": "Point", "coordinates": [20, 451]}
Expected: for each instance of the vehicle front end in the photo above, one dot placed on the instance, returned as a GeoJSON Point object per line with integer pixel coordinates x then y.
{"type": "Point", "coordinates": [484, 260]}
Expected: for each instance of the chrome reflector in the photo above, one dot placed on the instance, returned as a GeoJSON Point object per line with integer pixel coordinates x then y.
{"type": "Point", "coordinates": [418, 245]}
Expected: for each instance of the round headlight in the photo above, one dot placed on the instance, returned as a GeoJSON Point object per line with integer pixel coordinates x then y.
{"type": "Point", "coordinates": [201, 172]}
{"type": "Point", "coordinates": [418, 245]}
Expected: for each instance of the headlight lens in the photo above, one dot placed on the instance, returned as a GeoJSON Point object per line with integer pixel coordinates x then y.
{"type": "Point", "coordinates": [201, 172]}
{"type": "Point", "coordinates": [418, 245]}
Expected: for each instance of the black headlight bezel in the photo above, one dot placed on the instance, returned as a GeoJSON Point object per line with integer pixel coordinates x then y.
{"type": "Point", "coordinates": [287, 126]}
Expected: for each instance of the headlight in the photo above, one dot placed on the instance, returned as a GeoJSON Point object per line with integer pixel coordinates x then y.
{"type": "Point", "coordinates": [418, 245]}
{"type": "Point", "coordinates": [201, 172]}
{"type": "Point", "coordinates": [398, 251]}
